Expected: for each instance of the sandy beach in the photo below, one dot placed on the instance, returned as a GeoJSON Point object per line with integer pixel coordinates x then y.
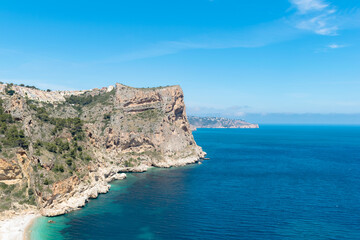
{"type": "Point", "coordinates": [14, 227]}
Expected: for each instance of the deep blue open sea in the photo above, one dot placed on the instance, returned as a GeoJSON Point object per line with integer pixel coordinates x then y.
{"type": "Point", "coordinates": [276, 182]}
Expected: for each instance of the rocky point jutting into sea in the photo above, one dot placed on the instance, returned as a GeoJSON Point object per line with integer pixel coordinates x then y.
{"type": "Point", "coordinates": [60, 148]}
{"type": "Point", "coordinates": [218, 122]}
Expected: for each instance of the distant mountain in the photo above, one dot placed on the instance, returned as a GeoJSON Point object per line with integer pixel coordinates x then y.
{"type": "Point", "coordinates": [218, 122]}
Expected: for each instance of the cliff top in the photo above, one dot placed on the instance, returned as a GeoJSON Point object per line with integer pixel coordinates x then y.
{"type": "Point", "coordinates": [33, 93]}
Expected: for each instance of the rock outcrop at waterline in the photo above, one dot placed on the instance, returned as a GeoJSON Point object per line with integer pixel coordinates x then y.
{"type": "Point", "coordinates": [61, 148]}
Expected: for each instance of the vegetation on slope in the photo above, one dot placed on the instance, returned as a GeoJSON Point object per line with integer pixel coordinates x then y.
{"type": "Point", "coordinates": [12, 135]}
{"type": "Point", "coordinates": [88, 99]}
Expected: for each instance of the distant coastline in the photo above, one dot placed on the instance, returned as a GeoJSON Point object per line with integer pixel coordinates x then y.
{"type": "Point", "coordinates": [218, 122]}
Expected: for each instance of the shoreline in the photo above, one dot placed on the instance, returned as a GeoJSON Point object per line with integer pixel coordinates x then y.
{"type": "Point", "coordinates": [16, 227]}
{"type": "Point", "coordinates": [27, 231]}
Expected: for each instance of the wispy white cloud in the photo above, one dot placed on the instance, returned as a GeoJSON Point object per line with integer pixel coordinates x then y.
{"type": "Point", "coordinates": [159, 49]}
{"type": "Point", "coordinates": [305, 6]}
{"type": "Point", "coordinates": [324, 24]}
{"type": "Point", "coordinates": [251, 37]}
{"type": "Point", "coordinates": [335, 46]}
{"type": "Point", "coordinates": [330, 47]}
{"type": "Point", "coordinates": [316, 16]}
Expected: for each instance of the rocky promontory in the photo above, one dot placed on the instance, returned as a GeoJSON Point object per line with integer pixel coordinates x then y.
{"type": "Point", "coordinates": [60, 148]}
{"type": "Point", "coordinates": [218, 122]}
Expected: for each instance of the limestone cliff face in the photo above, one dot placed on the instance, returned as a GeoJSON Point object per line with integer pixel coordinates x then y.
{"type": "Point", "coordinates": [164, 130]}
{"type": "Point", "coordinates": [81, 140]}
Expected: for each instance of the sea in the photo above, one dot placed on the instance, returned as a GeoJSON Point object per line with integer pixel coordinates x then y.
{"type": "Point", "coordinates": [275, 182]}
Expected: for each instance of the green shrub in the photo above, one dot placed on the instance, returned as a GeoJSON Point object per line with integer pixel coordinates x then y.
{"type": "Point", "coordinates": [107, 116]}
{"type": "Point", "coordinates": [130, 163]}
{"type": "Point", "coordinates": [62, 145]}
{"type": "Point", "coordinates": [30, 192]}
{"type": "Point", "coordinates": [32, 87]}
{"type": "Point", "coordinates": [73, 124]}
{"type": "Point", "coordinates": [5, 119]}
{"type": "Point", "coordinates": [10, 92]}
{"type": "Point", "coordinates": [9, 189]}
{"type": "Point", "coordinates": [3, 185]}
{"type": "Point", "coordinates": [38, 144]}
{"type": "Point", "coordinates": [86, 99]}
{"type": "Point", "coordinates": [73, 153]}
{"type": "Point", "coordinates": [69, 161]}
{"type": "Point", "coordinates": [37, 152]}
{"type": "Point", "coordinates": [30, 200]}
{"type": "Point", "coordinates": [15, 138]}
{"type": "Point", "coordinates": [87, 158]}
{"type": "Point", "coordinates": [82, 100]}
{"type": "Point", "coordinates": [149, 114]}
{"type": "Point", "coordinates": [51, 147]}
{"type": "Point", "coordinates": [20, 193]}
{"type": "Point", "coordinates": [58, 168]}
{"type": "Point", "coordinates": [41, 113]}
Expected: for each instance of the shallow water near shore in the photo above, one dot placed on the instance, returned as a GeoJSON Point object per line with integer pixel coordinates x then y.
{"type": "Point", "coordinates": [276, 182]}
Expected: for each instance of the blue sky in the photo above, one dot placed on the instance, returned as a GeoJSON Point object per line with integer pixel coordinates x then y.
{"type": "Point", "coordinates": [231, 57]}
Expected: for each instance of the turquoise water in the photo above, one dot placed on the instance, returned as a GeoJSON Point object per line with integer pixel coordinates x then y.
{"type": "Point", "coordinates": [276, 182]}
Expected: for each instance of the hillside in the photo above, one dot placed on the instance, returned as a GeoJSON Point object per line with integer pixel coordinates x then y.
{"type": "Point", "coordinates": [218, 122]}
{"type": "Point", "coordinates": [60, 148]}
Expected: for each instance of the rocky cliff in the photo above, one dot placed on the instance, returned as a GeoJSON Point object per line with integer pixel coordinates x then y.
{"type": "Point", "coordinates": [60, 148]}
